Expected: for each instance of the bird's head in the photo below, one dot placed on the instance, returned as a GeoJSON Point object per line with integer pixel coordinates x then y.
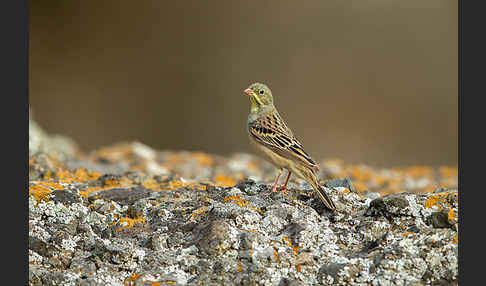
{"type": "Point", "coordinates": [260, 96]}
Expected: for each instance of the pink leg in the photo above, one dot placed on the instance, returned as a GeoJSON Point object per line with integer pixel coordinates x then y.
{"type": "Point", "coordinates": [274, 189]}
{"type": "Point", "coordinates": [284, 187]}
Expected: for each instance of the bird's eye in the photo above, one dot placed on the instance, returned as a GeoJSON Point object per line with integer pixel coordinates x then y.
{"type": "Point", "coordinates": [261, 91]}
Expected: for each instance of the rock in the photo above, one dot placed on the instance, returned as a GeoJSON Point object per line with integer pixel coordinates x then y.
{"type": "Point", "coordinates": [41, 142]}
{"type": "Point", "coordinates": [345, 183]}
{"type": "Point", "coordinates": [35, 274]}
{"type": "Point", "coordinates": [213, 237]}
{"type": "Point", "coordinates": [389, 206]}
{"type": "Point", "coordinates": [287, 282]}
{"type": "Point", "coordinates": [40, 247]}
{"type": "Point", "coordinates": [63, 196]}
{"type": "Point", "coordinates": [123, 196]}
{"type": "Point", "coordinates": [207, 228]}
{"type": "Point", "coordinates": [438, 220]}
{"type": "Point", "coordinates": [332, 270]}
{"type": "Point", "coordinates": [250, 187]}
{"type": "Point", "coordinates": [372, 195]}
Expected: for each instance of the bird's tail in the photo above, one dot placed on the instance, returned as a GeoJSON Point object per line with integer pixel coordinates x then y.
{"type": "Point", "coordinates": [311, 178]}
{"type": "Point", "coordinates": [322, 194]}
{"type": "Point", "coordinates": [325, 198]}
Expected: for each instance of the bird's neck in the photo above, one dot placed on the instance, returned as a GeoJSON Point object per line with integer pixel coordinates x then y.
{"type": "Point", "coordinates": [259, 111]}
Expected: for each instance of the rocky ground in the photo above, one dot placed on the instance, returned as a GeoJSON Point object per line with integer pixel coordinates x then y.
{"type": "Point", "coordinates": [130, 215]}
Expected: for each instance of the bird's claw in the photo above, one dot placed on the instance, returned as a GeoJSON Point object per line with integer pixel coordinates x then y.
{"type": "Point", "coordinates": [282, 189]}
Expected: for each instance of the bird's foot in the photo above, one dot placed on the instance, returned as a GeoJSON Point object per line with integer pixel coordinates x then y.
{"type": "Point", "coordinates": [282, 189]}
{"type": "Point", "coordinates": [272, 191]}
{"type": "Point", "coordinates": [274, 188]}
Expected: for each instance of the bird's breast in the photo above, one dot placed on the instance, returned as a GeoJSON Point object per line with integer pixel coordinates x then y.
{"type": "Point", "coordinates": [272, 157]}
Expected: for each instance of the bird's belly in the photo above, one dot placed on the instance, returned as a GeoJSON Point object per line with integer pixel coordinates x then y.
{"type": "Point", "coordinates": [272, 157]}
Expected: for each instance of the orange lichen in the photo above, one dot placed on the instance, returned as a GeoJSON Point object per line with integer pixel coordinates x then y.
{"type": "Point", "coordinates": [79, 175]}
{"type": "Point", "coordinates": [451, 215]}
{"type": "Point", "coordinates": [39, 193]}
{"type": "Point", "coordinates": [40, 190]}
{"type": "Point", "coordinates": [151, 184]}
{"type": "Point", "coordinates": [448, 172]}
{"type": "Point", "coordinates": [395, 184]}
{"type": "Point", "coordinates": [224, 181]}
{"type": "Point", "coordinates": [239, 267]}
{"type": "Point", "coordinates": [131, 279]}
{"type": "Point", "coordinates": [85, 193]}
{"type": "Point", "coordinates": [237, 201]}
{"type": "Point", "coordinates": [172, 185]}
{"type": "Point", "coordinates": [129, 222]}
{"type": "Point", "coordinates": [456, 239]}
{"type": "Point", "coordinates": [297, 267]}
{"type": "Point", "coordinates": [360, 186]}
{"type": "Point", "coordinates": [123, 181]}
{"type": "Point", "coordinates": [435, 199]}
{"type": "Point", "coordinates": [64, 176]}
{"type": "Point", "coordinates": [378, 179]}
{"type": "Point", "coordinates": [419, 172]}
{"type": "Point", "coordinates": [203, 159]}
{"type": "Point", "coordinates": [359, 174]}
{"type": "Point", "coordinates": [275, 255]}
{"type": "Point", "coordinates": [200, 211]}
{"type": "Point", "coordinates": [175, 184]}
{"type": "Point", "coordinates": [55, 186]}
{"type": "Point", "coordinates": [289, 243]}
{"type": "Point", "coordinates": [118, 152]}
{"type": "Point", "coordinates": [196, 186]}
{"type": "Point", "coordinates": [165, 283]}
{"type": "Point", "coordinates": [241, 203]}
{"type": "Point", "coordinates": [48, 176]}
{"type": "Point", "coordinates": [408, 234]}
{"type": "Point", "coordinates": [83, 175]}
{"type": "Point", "coordinates": [109, 184]}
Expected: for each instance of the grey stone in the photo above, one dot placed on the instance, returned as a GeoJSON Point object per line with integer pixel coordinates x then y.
{"type": "Point", "coordinates": [331, 269]}
{"type": "Point", "coordinates": [345, 183]}
{"type": "Point", "coordinates": [41, 247]}
{"type": "Point", "coordinates": [438, 220]}
{"type": "Point", "coordinates": [251, 188]}
{"type": "Point", "coordinates": [41, 142]}
{"type": "Point", "coordinates": [63, 196]}
{"type": "Point", "coordinates": [289, 282]}
{"type": "Point", "coordinates": [82, 264]}
{"type": "Point", "coordinates": [372, 195]}
{"type": "Point", "coordinates": [389, 206]}
{"type": "Point", "coordinates": [123, 196]}
{"type": "Point", "coordinates": [213, 237]}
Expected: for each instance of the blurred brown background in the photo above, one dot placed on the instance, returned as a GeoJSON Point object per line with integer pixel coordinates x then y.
{"type": "Point", "coordinates": [370, 82]}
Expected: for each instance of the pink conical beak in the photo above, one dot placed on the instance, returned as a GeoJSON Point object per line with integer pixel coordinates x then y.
{"type": "Point", "coordinates": [249, 91]}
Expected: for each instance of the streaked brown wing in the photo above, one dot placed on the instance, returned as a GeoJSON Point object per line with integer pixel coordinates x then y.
{"type": "Point", "coordinates": [271, 131]}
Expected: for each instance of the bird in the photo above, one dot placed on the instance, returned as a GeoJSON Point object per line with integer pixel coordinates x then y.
{"type": "Point", "coordinates": [278, 144]}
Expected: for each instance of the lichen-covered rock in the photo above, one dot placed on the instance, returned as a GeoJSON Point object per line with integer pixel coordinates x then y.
{"type": "Point", "coordinates": [193, 219]}
{"type": "Point", "coordinates": [41, 142]}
